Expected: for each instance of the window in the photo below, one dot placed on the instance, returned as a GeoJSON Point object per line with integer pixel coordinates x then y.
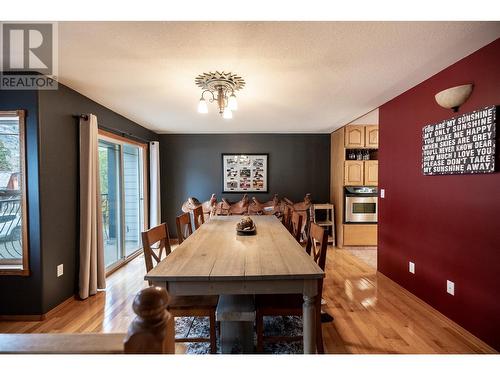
{"type": "Point", "coordinates": [122, 181]}
{"type": "Point", "coordinates": [13, 217]}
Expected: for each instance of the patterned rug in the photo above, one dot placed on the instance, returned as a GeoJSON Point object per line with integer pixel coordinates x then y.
{"type": "Point", "coordinates": [273, 326]}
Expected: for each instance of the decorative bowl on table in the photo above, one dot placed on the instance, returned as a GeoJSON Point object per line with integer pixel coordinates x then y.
{"type": "Point", "coordinates": [245, 227]}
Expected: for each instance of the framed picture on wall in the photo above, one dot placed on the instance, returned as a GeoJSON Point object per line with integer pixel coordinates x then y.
{"type": "Point", "coordinates": [243, 173]}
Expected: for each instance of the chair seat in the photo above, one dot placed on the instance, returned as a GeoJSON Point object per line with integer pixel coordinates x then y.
{"type": "Point", "coordinates": [193, 302]}
{"type": "Point", "coordinates": [279, 304]}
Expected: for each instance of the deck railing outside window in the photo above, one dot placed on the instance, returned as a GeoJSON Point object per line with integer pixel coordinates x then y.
{"type": "Point", "coordinates": [11, 251]}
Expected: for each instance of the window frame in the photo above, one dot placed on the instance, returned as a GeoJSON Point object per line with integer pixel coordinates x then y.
{"type": "Point", "coordinates": [24, 271]}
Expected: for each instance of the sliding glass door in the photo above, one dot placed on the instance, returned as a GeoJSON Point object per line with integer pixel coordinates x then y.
{"type": "Point", "coordinates": [133, 202]}
{"type": "Point", "coordinates": [122, 195]}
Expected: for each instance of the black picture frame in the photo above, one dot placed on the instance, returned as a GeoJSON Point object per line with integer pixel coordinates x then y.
{"type": "Point", "coordinates": [255, 173]}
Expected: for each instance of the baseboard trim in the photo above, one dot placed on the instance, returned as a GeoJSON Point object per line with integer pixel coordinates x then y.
{"type": "Point", "coordinates": [21, 318]}
{"type": "Point", "coordinates": [38, 317]}
{"type": "Point", "coordinates": [54, 310]}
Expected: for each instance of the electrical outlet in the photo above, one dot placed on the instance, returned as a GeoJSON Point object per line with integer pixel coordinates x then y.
{"type": "Point", "coordinates": [60, 270]}
{"type": "Point", "coordinates": [450, 287]}
{"type": "Point", "coordinates": [382, 193]}
{"type": "Point", "coordinates": [411, 267]}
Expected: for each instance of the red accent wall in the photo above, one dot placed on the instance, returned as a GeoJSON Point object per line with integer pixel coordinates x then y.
{"type": "Point", "coordinates": [448, 225]}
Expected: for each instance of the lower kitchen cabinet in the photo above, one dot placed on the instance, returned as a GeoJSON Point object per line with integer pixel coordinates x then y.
{"type": "Point", "coordinates": [360, 234]}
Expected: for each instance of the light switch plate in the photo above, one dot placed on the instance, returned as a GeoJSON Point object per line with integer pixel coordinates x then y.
{"type": "Point", "coordinates": [382, 193]}
{"type": "Point", "coordinates": [60, 270]}
{"type": "Point", "coordinates": [450, 287]}
{"type": "Point", "coordinates": [411, 267]}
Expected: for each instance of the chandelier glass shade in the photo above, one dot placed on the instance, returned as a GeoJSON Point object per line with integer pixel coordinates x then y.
{"type": "Point", "coordinates": [220, 87]}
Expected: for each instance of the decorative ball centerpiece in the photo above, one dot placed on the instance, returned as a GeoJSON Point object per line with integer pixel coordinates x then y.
{"type": "Point", "coordinates": [245, 226]}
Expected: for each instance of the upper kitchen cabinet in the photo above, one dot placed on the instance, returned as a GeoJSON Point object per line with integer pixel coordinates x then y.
{"type": "Point", "coordinates": [371, 172]}
{"type": "Point", "coordinates": [354, 136]}
{"type": "Point", "coordinates": [353, 172]}
{"type": "Point", "coordinates": [371, 136]}
{"type": "Point", "coordinates": [361, 136]}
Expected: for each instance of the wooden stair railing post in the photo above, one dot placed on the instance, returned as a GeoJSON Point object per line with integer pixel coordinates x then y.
{"type": "Point", "coordinates": [152, 330]}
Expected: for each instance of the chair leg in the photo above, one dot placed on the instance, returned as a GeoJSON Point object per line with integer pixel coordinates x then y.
{"type": "Point", "coordinates": [213, 334]}
{"type": "Point", "coordinates": [259, 322]}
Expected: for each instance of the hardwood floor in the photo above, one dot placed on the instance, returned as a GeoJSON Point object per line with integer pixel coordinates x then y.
{"type": "Point", "coordinates": [372, 313]}
{"type": "Point", "coordinates": [367, 254]}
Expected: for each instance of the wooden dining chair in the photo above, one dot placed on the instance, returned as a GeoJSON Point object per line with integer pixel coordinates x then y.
{"type": "Point", "coordinates": [291, 304]}
{"type": "Point", "coordinates": [184, 227]}
{"type": "Point", "coordinates": [180, 306]}
{"type": "Point", "coordinates": [296, 225]}
{"type": "Point", "coordinates": [155, 236]}
{"type": "Point", "coordinates": [198, 216]}
{"type": "Point", "coordinates": [287, 217]}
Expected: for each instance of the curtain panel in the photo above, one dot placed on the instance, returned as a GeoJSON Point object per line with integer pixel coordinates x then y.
{"type": "Point", "coordinates": [92, 269]}
{"type": "Point", "coordinates": [154, 183]}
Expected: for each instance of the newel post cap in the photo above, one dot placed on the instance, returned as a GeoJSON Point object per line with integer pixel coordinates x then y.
{"type": "Point", "coordinates": [151, 302]}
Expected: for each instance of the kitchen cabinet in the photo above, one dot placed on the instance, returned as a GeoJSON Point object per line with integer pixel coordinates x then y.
{"type": "Point", "coordinates": [371, 136]}
{"type": "Point", "coordinates": [361, 136]}
{"type": "Point", "coordinates": [361, 172]}
{"type": "Point", "coordinates": [370, 172]}
{"type": "Point", "coordinates": [347, 141]}
{"type": "Point", "coordinates": [360, 234]}
{"type": "Point", "coordinates": [354, 136]}
{"type": "Point", "coordinates": [353, 173]}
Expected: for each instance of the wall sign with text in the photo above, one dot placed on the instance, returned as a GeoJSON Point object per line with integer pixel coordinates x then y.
{"type": "Point", "coordinates": [461, 145]}
{"type": "Point", "coordinates": [244, 173]}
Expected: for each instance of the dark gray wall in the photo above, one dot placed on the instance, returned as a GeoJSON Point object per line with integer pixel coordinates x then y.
{"type": "Point", "coordinates": [59, 183]}
{"type": "Point", "coordinates": [23, 294]}
{"type": "Point", "coordinates": [52, 184]}
{"type": "Point", "coordinates": [191, 165]}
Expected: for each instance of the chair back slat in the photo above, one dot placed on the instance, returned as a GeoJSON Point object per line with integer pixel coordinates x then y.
{"type": "Point", "coordinates": [296, 225]}
{"type": "Point", "coordinates": [184, 227]}
{"type": "Point", "coordinates": [156, 235]}
{"type": "Point", "coordinates": [198, 217]}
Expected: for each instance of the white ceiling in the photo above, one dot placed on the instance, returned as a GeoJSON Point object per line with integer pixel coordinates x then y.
{"type": "Point", "coordinates": [300, 76]}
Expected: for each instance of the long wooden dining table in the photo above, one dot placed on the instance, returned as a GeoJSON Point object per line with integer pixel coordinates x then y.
{"type": "Point", "coordinates": [214, 260]}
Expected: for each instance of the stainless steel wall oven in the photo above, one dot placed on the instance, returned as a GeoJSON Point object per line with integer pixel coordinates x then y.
{"type": "Point", "coordinates": [360, 204]}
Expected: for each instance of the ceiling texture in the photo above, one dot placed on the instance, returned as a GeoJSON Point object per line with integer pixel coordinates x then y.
{"type": "Point", "coordinates": [301, 77]}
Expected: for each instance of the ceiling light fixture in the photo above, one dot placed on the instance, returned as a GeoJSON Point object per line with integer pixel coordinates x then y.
{"type": "Point", "coordinates": [222, 87]}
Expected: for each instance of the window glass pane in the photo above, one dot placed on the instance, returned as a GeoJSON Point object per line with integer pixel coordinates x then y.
{"type": "Point", "coordinates": [11, 220]}
{"type": "Point", "coordinates": [133, 203]}
{"type": "Point", "coordinates": [109, 170]}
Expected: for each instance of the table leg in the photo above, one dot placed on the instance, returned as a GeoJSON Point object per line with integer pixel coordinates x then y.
{"type": "Point", "coordinates": [309, 324]}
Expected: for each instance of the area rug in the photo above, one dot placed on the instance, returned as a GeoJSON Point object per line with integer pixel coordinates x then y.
{"type": "Point", "coordinates": [273, 326]}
